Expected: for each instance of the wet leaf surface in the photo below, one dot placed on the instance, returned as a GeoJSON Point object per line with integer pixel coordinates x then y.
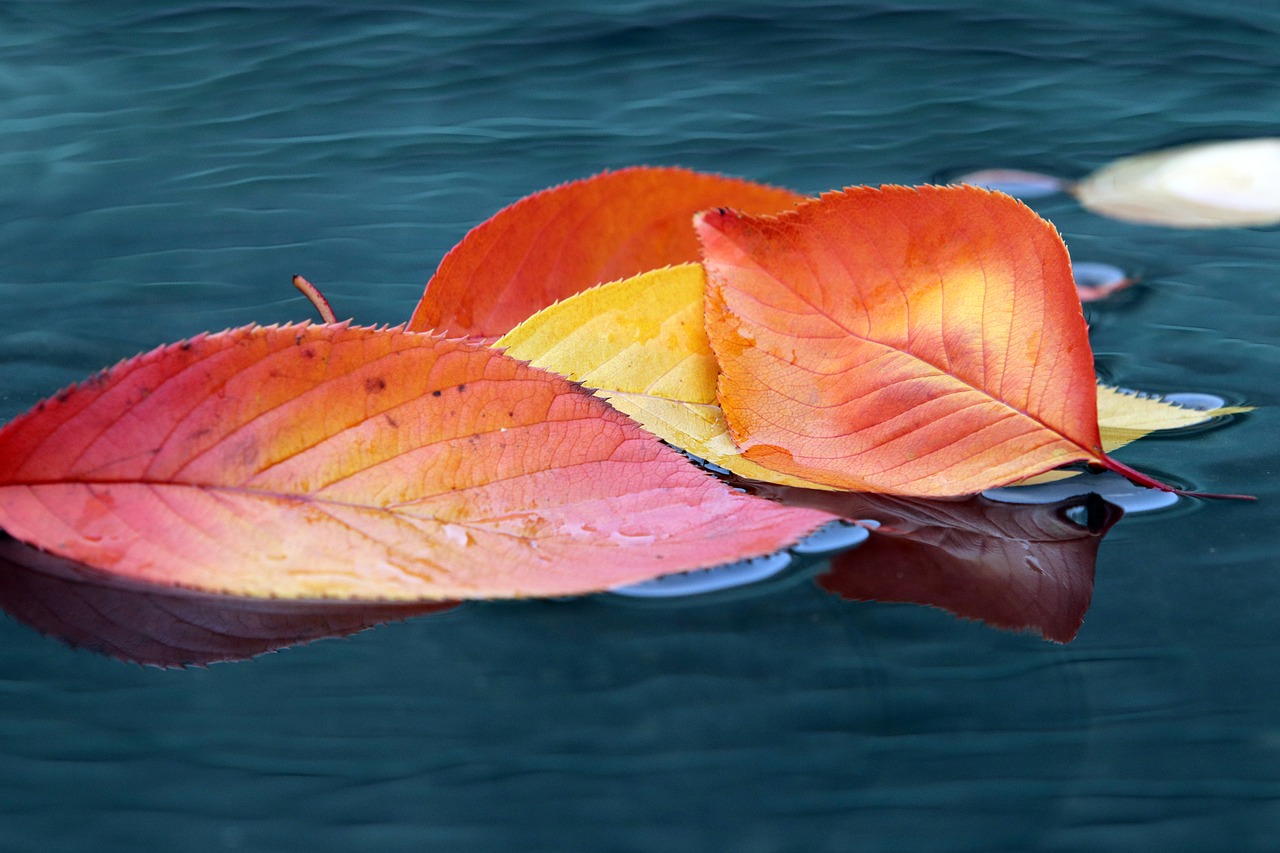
{"type": "Point", "coordinates": [342, 462]}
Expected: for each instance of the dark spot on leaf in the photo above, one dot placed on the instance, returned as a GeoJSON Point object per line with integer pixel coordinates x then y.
{"type": "Point", "coordinates": [184, 346]}
{"type": "Point", "coordinates": [392, 422]}
{"type": "Point", "coordinates": [374, 384]}
{"type": "Point", "coordinates": [246, 451]}
{"type": "Point", "coordinates": [436, 393]}
{"type": "Point", "coordinates": [462, 387]}
{"type": "Point", "coordinates": [297, 340]}
{"type": "Point", "coordinates": [308, 353]}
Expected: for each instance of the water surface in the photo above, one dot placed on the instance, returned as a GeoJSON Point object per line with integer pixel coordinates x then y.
{"type": "Point", "coordinates": [165, 172]}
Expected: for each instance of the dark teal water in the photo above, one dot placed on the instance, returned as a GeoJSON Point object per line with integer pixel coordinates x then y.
{"type": "Point", "coordinates": [165, 172]}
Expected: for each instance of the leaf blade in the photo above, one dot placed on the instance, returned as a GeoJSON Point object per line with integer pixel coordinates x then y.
{"type": "Point", "coordinates": [666, 380]}
{"type": "Point", "coordinates": [934, 334]}
{"type": "Point", "coordinates": [641, 343]}
{"type": "Point", "coordinates": [560, 241]}
{"type": "Point", "coordinates": [383, 464]}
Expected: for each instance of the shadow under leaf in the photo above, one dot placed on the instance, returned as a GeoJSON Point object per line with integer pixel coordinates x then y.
{"type": "Point", "coordinates": [1019, 567]}
{"type": "Point", "coordinates": [1013, 566]}
{"type": "Point", "coordinates": [170, 626]}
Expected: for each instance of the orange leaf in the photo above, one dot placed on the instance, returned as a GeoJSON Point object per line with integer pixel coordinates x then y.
{"type": "Point", "coordinates": [560, 241]}
{"type": "Point", "coordinates": [924, 341]}
{"type": "Point", "coordinates": [331, 461]}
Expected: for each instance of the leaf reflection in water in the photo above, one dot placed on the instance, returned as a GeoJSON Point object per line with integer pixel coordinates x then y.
{"type": "Point", "coordinates": [1013, 566]}
{"type": "Point", "coordinates": [166, 626]}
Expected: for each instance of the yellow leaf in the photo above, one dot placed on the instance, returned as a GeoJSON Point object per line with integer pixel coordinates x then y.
{"type": "Point", "coordinates": [641, 344]}
{"type": "Point", "coordinates": [1125, 416]}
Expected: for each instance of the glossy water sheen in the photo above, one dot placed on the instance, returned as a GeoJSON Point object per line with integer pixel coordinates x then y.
{"type": "Point", "coordinates": [162, 173]}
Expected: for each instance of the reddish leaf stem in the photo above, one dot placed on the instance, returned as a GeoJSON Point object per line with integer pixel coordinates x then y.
{"type": "Point", "coordinates": [1142, 479]}
{"type": "Point", "coordinates": [313, 293]}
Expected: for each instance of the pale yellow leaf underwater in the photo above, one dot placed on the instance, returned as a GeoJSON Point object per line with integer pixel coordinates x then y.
{"type": "Point", "coordinates": [1226, 184]}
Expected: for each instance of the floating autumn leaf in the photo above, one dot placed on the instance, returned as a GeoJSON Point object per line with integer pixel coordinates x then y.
{"type": "Point", "coordinates": [167, 626]}
{"type": "Point", "coordinates": [340, 462]}
{"type": "Point", "coordinates": [1125, 415]}
{"type": "Point", "coordinates": [925, 342]}
{"type": "Point", "coordinates": [642, 344]}
{"type": "Point", "coordinates": [1222, 184]}
{"type": "Point", "coordinates": [557, 242]}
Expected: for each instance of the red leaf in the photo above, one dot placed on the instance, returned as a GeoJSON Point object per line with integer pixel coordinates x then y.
{"type": "Point", "coordinates": [560, 241]}
{"type": "Point", "coordinates": [330, 461]}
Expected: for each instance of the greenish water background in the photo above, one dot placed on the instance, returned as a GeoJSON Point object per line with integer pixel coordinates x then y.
{"type": "Point", "coordinates": [164, 170]}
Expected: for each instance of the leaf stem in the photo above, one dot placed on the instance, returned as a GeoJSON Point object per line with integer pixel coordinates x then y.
{"type": "Point", "coordinates": [313, 293]}
{"type": "Point", "coordinates": [1142, 479]}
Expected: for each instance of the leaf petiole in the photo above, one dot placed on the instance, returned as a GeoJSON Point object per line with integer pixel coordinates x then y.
{"type": "Point", "coordinates": [313, 293]}
{"type": "Point", "coordinates": [1136, 476]}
